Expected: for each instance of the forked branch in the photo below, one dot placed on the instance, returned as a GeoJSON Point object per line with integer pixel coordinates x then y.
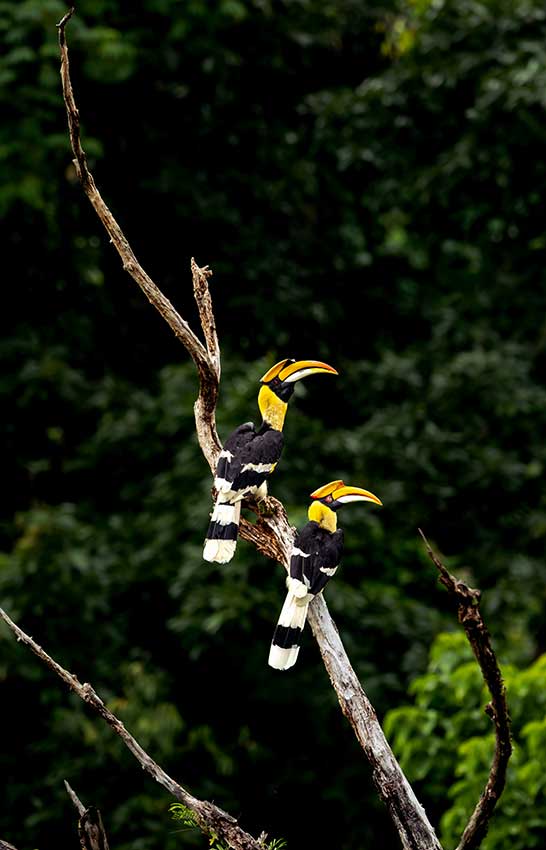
{"type": "Point", "coordinates": [469, 615]}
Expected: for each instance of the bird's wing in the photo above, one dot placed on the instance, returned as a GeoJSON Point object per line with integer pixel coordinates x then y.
{"type": "Point", "coordinates": [246, 460]}
{"type": "Point", "coordinates": [256, 460]}
{"type": "Point", "coordinates": [314, 560]}
{"type": "Point", "coordinates": [229, 462]}
{"type": "Point", "coordinates": [325, 565]}
{"type": "Point", "coordinates": [306, 550]}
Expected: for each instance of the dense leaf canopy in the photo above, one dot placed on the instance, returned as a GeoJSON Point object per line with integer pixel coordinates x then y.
{"type": "Point", "coordinates": [366, 181]}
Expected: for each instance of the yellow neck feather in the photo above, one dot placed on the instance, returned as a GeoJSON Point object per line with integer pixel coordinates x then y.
{"type": "Point", "coordinates": [273, 410]}
{"type": "Point", "coordinates": [323, 515]}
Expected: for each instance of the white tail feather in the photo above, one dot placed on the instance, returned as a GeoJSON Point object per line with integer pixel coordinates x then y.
{"type": "Point", "coordinates": [283, 659]}
{"type": "Point", "coordinates": [293, 616]}
{"type": "Point", "coordinates": [217, 548]}
{"type": "Point", "coordinates": [294, 612]}
{"type": "Point", "coordinates": [219, 551]}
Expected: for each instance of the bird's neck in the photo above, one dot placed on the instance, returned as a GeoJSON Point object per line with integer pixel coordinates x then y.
{"type": "Point", "coordinates": [273, 410]}
{"type": "Point", "coordinates": [321, 514]}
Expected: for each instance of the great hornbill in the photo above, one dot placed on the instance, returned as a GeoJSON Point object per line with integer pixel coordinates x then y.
{"type": "Point", "coordinates": [250, 455]}
{"type": "Point", "coordinates": [314, 560]}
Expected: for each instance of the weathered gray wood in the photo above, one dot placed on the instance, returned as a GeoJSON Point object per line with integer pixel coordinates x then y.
{"type": "Point", "coordinates": [409, 817]}
{"type": "Point", "coordinates": [80, 808]}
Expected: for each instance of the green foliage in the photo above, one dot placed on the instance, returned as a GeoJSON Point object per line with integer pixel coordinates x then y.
{"type": "Point", "coordinates": [186, 817]}
{"type": "Point", "coordinates": [445, 744]}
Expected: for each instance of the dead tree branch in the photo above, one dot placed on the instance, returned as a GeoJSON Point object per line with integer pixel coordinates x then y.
{"type": "Point", "coordinates": [271, 534]}
{"type": "Point", "coordinates": [469, 615]}
{"type": "Point", "coordinates": [408, 815]}
{"type": "Point", "coordinates": [210, 818]}
{"type": "Point", "coordinates": [5, 846]}
{"type": "Point", "coordinates": [207, 360]}
{"type": "Point", "coordinates": [90, 826]}
{"type": "Point", "coordinates": [80, 808]}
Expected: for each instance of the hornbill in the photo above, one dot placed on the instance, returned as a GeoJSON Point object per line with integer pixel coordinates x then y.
{"type": "Point", "coordinates": [314, 560]}
{"type": "Point", "coordinates": [250, 456]}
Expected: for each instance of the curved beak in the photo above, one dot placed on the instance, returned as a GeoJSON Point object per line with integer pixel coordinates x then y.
{"type": "Point", "coordinates": [302, 368]}
{"type": "Point", "coordinates": [345, 494]}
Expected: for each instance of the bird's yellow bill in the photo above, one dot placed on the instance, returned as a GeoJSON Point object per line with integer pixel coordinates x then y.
{"type": "Point", "coordinates": [299, 369]}
{"type": "Point", "coordinates": [354, 494]}
{"type": "Point", "coordinates": [291, 370]}
{"type": "Point", "coordinates": [340, 492]}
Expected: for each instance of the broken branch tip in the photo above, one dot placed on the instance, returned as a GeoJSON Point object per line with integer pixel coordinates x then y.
{"type": "Point", "coordinates": [65, 19]}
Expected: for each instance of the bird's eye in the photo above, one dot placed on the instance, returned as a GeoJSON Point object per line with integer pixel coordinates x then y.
{"type": "Point", "coordinates": [328, 499]}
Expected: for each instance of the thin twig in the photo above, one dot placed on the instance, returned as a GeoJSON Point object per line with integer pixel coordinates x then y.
{"type": "Point", "coordinates": [210, 818]}
{"type": "Point", "coordinates": [203, 300]}
{"type": "Point", "coordinates": [5, 846]}
{"type": "Point", "coordinates": [205, 406]}
{"type": "Point", "coordinates": [75, 799]}
{"type": "Point", "coordinates": [470, 617]}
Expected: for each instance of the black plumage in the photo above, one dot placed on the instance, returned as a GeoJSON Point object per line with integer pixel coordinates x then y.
{"type": "Point", "coordinates": [248, 458]}
{"type": "Point", "coordinates": [323, 549]}
{"type": "Point", "coordinates": [249, 447]}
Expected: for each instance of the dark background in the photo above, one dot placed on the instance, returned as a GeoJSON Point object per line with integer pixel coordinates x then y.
{"type": "Point", "coordinates": [367, 183]}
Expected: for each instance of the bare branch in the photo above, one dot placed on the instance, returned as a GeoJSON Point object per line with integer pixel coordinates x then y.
{"type": "Point", "coordinates": [210, 818]}
{"type": "Point", "coordinates": [201, 293]}
{"type": "Point", "coordinates": [409, 817]}
{"type": "Point", "coordinates": [5, 846]}
{"type": "Point", "coordinates": [271, 534]}
{"type": "Point", "coordinates": [470, 617]}
{"type": "Point", "coordinates": [75, 799]}
{"type": "Point", "coordinates": [207, 362]}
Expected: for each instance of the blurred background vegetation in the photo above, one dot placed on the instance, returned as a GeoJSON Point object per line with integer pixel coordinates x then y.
{"type": "Point", "coordinates": [366, 181]}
